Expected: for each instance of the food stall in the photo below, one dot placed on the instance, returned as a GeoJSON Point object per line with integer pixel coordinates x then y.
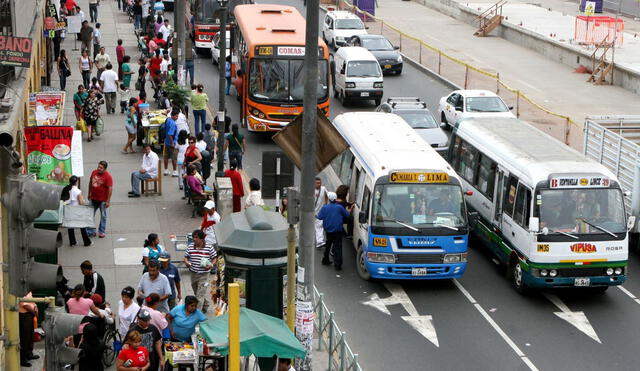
{"type": "Point", "coordinates": [151, 121]}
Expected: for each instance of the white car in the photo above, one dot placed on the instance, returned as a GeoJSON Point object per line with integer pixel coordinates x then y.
{"type": "Point", "coordinates": [472, 103]}
{"type": "Point", "coordinates": [215, 50]}
{"type": "Point", "coordinates": [339, 26]}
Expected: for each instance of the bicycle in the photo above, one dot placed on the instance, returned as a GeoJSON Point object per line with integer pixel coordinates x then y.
{"type": "Point", "coordinates": [112, 343]}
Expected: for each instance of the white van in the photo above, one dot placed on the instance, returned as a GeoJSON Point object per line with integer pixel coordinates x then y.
{"type": "Point", "coordinates": [356, 75]}
{"type": "Point", "coordinates": [339, 26]}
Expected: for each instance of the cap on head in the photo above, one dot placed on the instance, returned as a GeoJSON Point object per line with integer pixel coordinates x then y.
{"type": "Point", "coordinates": [210, 205]}
{"type": "Point", "coordinates": [164, 256]}
{"type": "Point", "coordinates": [332, 196]}
{"type": "Point", "coordinates": [144, 315]}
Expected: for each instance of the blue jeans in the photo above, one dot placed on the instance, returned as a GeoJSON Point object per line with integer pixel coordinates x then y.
{"type": "Point", "coordinates": [137, 22]}
{"type": "Point", "coordinates": [136, 178]}
{"type": "Point", "coordinates": [103, 217]}
{"type": "Point", "coordinates": [228, 85]}
{"type": "Point", "coordinates": [237, 155]}
{"type": "Point", "coordinates": [93, 12]}
{"type": "Point", "coordinates": [190, 69]}
{"type": "Point", "coordinates": [200, 119]}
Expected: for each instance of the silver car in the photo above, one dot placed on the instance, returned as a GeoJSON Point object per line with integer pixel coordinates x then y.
{"type": "Point", "coordinates": [417, 115]}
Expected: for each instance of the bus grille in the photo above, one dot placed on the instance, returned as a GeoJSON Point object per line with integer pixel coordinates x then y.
{"type": "Point", "coordinates": [277, 116]}
{"type": "Point", "coordinates": [419, 258]}
{"type": "Point", "coordinates": [581, 272]}
{"type": "Point", "coordinates": [416, 246]}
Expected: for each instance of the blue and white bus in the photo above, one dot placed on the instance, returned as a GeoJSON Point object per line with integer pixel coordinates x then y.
{"type": "Point", "coordinates": [410, 215]}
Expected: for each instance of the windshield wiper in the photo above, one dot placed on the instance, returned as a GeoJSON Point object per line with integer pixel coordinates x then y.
{"type": "Point", "coordinates": [599, 227]}
{"type": "Point", "coordinates": [402, 224]}
{"type": "Point", "coordinates": [442, 225]}
{"type": "Point", "coordinates": [565, 233]}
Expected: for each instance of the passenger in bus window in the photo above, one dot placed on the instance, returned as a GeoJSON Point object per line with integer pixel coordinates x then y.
{"type": "Point", "coordinates": [442, 204]}
{"type": "Point", "coordinates": [589, 208]}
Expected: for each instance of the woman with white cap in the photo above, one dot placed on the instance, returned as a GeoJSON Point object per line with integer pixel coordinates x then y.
{"type": "Point", "coordinates": [211, 217]}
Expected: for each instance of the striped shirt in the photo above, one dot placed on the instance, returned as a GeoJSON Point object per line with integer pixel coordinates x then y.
{"type": "Point", "coordinates": [195, 256]}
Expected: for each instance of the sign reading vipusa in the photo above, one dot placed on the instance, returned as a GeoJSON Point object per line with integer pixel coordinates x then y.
{"type": "Point", "coordinates": [15, 51]}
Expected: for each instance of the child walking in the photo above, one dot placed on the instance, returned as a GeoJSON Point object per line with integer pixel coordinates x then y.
{"type": "Point", "coordinates": [125, 95]}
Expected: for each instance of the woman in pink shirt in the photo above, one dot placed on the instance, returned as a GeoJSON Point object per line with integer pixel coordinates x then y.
{"type": "Point", "coordinates": [158, 318]}
{"type": "Point", "coordinates": [82, 306]}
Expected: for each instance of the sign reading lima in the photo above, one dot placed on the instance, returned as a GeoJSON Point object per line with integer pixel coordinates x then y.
{"type": "Point", "coordinates": [406, 177]}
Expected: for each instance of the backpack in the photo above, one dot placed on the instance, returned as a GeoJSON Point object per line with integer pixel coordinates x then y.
{"type": "Point", "coordinates": [162, 131]}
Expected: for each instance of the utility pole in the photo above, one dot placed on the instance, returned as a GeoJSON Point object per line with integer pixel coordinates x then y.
{"type": "Point", "coordinates": [222, 63]}
{"type": "Point", "coordinates": [308, 173]}
{"type": "Point", "coordinates": [180, 30]}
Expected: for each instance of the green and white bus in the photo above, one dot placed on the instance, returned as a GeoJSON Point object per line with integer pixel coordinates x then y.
{"type": "Point", "coordinates": [551, 217]}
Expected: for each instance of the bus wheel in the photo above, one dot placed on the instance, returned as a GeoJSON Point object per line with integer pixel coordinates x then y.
{"type": "Point", "coordinates": [517, 277]}
{"type": "Point", "coordinates": [361, 265]}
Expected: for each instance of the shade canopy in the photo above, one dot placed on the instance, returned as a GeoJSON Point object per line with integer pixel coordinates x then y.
{"type": "Point", "coordinates": [260, 335]}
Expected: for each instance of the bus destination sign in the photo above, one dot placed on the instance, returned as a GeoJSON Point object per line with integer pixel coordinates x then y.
{"type": "Point", "coordinates": [580, 182]}
{"type": "Point", "coordinates": [410, 177]}
{"type": "Point", "coordinates": [284, 51]}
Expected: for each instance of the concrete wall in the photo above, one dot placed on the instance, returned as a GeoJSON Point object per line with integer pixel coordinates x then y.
{"type": "Point", "coordinates": [24, 12]}
{"type": "Point", "coordinates": [554, 50]}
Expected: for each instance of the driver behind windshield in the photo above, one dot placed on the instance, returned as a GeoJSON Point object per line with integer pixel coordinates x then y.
{"type": "Point", "coordinates": [442, 204]}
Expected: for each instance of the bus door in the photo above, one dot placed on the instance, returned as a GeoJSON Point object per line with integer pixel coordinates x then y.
{"type": "Point", "coordinates": [501, 176]}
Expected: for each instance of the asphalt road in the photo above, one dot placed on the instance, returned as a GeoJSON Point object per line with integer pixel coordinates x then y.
{"type": "Point", "coordinates": [477, 322]}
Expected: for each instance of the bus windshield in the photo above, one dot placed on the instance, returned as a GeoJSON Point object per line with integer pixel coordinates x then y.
{"type": "Point", "coordinates": [282, 80]}
{"type": "Point", "coordinates": [418, 205]}
{"type": "Point", "coordinates": [583, 211]}
{"type": "Point", "coordinates": [206, 12]}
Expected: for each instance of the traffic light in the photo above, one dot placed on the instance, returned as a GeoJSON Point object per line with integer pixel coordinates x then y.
{"type": "Point", "coordinates": [25, 200]}
{"type": "Point", "coordinates": [59, 325]}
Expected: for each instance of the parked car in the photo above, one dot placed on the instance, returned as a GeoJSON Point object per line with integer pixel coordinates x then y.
{"type": "Point", "coordinates": [460, 104]}
{"type": "Point", "coordinates": [415, 112]}
{"type": "Point", "coordinates": [387, 55]}
{"type": "Point", "coordinates": [339, 26]}
{"type": "Point", "coordinates": [356, 75]}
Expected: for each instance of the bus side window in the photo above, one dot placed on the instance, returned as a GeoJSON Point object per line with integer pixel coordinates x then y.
{"type": "Point", "coordinates": [468, 161]}
{"type": "Point", "coordinates": [486, 176]}
{"type": "Point", "coordinates": [523, 202]}
{"type": "Point", "coordinates": [364, 207]}
{"type": "Point", "coordinates": [455, 154]}
{"type": "Point", "coordinates": [354, 183]}
{"type": "Point", "coordinates": [510, 195]}
{"type": "Point", "coordinates": [360, 188]}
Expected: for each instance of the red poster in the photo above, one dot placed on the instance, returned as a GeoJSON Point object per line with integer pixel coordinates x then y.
{"type": "Point", "coordinates": [49, 153]}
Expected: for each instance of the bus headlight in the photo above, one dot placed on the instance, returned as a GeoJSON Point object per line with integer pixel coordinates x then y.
{"type": "Point", "coordinates": [455, 258]}
{"type": "Point", "coordinates": [553, 273]}
{"type": "Point", "coordinates": [256, 112]}
{"type": "Point", "coordinates": [618, 270]}
{"type": "Point", "coordinates": [375, 257]}
{"type": "Point", "coordinates": [544, 272]}
{"type": "Point", "coordinates": [609, 271]}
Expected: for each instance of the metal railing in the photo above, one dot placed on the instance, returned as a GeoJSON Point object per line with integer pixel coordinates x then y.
{"type": "Point", "coordinates": [466, 76]}
{"type": "Point", "coordinates": [332, 339]}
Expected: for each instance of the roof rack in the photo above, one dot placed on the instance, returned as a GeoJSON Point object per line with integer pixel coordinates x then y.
{"type": "Point", "coordinates": [405, 100]}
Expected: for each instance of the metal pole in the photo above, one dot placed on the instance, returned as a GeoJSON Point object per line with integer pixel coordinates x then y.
{"type": "Point", "coordinates": [234, 327]}
{"type": "Point", "coordinates": [179, 22]}
{"type": "Point", "coordinates": [308, 171]}
{"type": "Point", "coordinates": [222, 63]}
{"type": "Point", "coordinates": [291, 277]}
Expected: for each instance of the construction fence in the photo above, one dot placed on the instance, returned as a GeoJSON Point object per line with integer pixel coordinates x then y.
{"type": "Point", "coordinates": [467, 76]}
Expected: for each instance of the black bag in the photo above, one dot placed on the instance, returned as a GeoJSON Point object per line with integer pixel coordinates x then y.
{"type": "Point", "coordinates": [138, 85]}
{"type": "Point", "coordinates": [67, 73]}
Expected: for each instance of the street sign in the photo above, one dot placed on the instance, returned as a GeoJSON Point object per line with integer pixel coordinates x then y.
{"type": "Point", "coordinates": [589, 8]}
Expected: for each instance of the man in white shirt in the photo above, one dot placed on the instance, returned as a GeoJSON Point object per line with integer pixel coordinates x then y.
{"type": "Point", "coordinates": [101, 61]}
{"type": "Point", "coordinates": [165, 30]}
{"type": "Point", "coordinates": [284, 364]}
{"type": "Point", "coordinates": [148, 170]}
{"type": "Point", "coordinates": [109, 82]}
{"type": "Point", "coordinates": [97, 40]}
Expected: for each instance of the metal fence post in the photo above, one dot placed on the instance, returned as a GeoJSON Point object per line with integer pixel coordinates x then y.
{"type": "Point", "coordinates": [420, 54]}
{"type": "Point", "coordinates": [498, 83]}
{"type": "Point", "coordinates": [381, 26]}
{"type": "Point", "coordinates": [320, 318]}
{"type": "Point", "coordinates": [400, 41]}
{"type": "Point", "coordinates": [439, 61]}
{"type": "Point", "coordinates": [330, 341]}
{"type": "Point", "coordinates": [567, 129]}
{"type": "Point", "coordinates": [518, 103]}
{"type": "Point", "coordinates": [342, 350]}
{"type": "Point", "coordinates": [355, 362]}
{"type": "Point", "coordinates": [466, 75]}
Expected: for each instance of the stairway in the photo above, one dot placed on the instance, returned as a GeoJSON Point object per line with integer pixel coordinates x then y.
{"type": "Point", "coordinates": [602, 69]}
{"type": "Point", "coordinates": [490, 19]}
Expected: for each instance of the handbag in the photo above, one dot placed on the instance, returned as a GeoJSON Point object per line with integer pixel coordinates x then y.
{"type": "Point", "coordinates": [81, 125]}
{"type": "Point", "coordinates": [138, 85]}
{"type": "Point", "coordinates": [99, 126]}
{"type": "Point", "coordinates": [78, 216]}
{"type": "Point", "coordinates": [67, 73]}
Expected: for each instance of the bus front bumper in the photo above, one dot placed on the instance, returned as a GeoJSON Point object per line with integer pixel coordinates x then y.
{"type": "Point", "coordinates": [560, 282]}
{"type": "Point", "coordinates": [416, 271]}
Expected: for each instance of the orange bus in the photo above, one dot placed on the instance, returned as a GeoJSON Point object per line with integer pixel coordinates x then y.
{"type": "Point", "coordinates": [270, 47]}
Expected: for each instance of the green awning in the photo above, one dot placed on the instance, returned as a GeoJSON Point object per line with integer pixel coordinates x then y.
{"type": "Point", "coordinates": [260, 335]}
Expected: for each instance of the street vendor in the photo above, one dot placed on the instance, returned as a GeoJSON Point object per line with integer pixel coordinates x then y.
{"type": "Point", "coordinates": [184, 318]}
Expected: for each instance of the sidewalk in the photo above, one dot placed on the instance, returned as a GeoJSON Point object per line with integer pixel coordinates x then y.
{"type": "Point", "coordinates": [550, 84]}
{"type": "Point", "coordinates": [117, 257]}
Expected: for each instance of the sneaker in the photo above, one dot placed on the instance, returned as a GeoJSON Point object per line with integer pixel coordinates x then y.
{"type": "Point", "coordinates": [174, 174]}
{"type": "Point", "coordinates": [102, 235]}
{"type": "Point", "coordinates": [166, 172]}
{"type": "Point", "coordinates": [133, 195]}
{"type": "Point", "coordinates": [89, 244]}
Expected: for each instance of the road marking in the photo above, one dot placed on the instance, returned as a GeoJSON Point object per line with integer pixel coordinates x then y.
{"type": "Point", "coordinates": [529, 85]}
{"type": "Point", "coordinates": [578, 319]}
{"type": "Point", "coordinates": [496, 327]}
{"type": "Point", "coordinates": [423, 324]}
{"type": "Point", "coordinates": [629, 294]}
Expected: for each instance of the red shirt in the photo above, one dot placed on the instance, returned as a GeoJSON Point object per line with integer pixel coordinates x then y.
{"type": "Point", "coordinates": [120, 53]}
{"type": "Point", "coordinates": [154, 65]}
{"type": "Point", "coordinates": [139, 357]}
{"type": "Point", "coordinates": [70, 5]}
{"type": "Point", "coordinates": [99, 185]}
{"type": "Point", "coordinates": [236, 182]}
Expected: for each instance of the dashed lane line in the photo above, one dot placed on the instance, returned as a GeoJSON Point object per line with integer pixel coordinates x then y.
{"type": "Point", "coordinates": [629, 294]}
{"type": "Point", "coordinates": [496, 327]}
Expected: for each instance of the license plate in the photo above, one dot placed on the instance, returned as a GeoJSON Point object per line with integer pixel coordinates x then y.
{"type": "Point", "coordinates": [418, 271]}
{"type": "Point", "coordinates": [364, 94]}
{"type": "Point", "coordinates": [582, 282]}
{"type": "Point", "coordinates": [387, 66]}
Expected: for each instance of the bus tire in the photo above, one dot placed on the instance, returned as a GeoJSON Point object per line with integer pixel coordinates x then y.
{"type": "Point", "coordinates": [517, 277]}
{"type": "Point", "coordinates": [361, 265]}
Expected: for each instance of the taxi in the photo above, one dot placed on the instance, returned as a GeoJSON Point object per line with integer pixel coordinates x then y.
{"type": "Point", "coordinates": [461, 104]}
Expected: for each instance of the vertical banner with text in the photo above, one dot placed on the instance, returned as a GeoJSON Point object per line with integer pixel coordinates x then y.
{"type": "Point", "coordinates": [49, 153]}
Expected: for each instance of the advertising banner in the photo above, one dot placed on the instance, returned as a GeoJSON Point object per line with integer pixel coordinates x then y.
{"type": "Point", "coordinates": [46, 108]}
{"type": "Point", "coordinates": [15, 51]}
{"type": "Point", "coordinates": [49, 153]}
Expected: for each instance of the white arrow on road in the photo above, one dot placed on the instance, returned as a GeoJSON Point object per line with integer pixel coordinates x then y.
{"type": "Point", "coordinates": [423, 324]}
{"type": "Point", "coordinates": [577, 319]}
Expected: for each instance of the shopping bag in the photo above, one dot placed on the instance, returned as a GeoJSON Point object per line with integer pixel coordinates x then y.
{"type": "Point", "coordinates": [99, 126]}
{"type": "Point", "coordinates": [78, 216]}
{"type": "Point", "coordinates": [81, 125]}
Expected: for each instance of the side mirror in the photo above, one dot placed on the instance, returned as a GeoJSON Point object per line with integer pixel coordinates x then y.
{"type": "Point", "coordinates": [473, 215]}
{"type": "Point", "coordinates": [545, 231]}
{"type": "Point", "coordinates": [510, 108]}
{"type": "Point", "coordinates": [362, 217]}
{"type": "Point", "coordinates": [443, 125]}
{"type": "Point", "coordinates": [458, 108]}
{"type": "Point", "coordinates": [631, 222]}
{"type": "Point", "coordinates": [366, 27]}
{"type": "Point", "coordinates": [534, 224]}
{"type": "Point", "coordinates": [396, 47]}
{"type": "Point", "coordinates": [342, 71]}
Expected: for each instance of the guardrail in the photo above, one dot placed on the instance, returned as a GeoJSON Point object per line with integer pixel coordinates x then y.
{"type": "Point", "coordinates": [467, 76]}
{"type": "Point", "coordinates": [332, 339]}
